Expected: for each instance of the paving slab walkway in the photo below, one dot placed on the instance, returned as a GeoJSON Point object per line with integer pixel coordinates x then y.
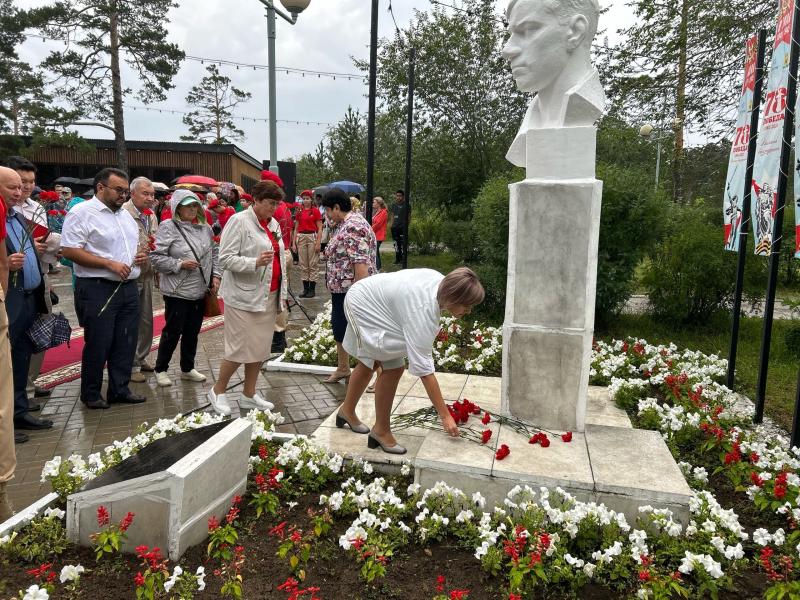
{"type": "Point", "coordinates": [302, 399]}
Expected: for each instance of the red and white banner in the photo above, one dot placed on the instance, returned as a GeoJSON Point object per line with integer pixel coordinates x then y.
{"type": "Point", "coordinates": [737, 164]}
{"type": "Point", "coordinates": [770, 134]}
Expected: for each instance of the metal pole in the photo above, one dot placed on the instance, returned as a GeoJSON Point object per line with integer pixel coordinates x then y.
{"type": "Point", "coordinates": [409, 147]}
{"type": "Point", "coordinates": [658, 160]}
{"type": "Point", "coordinates": [273, 113]}
{"type": "Point", "coordinates": [745, 230]}
{"type": "Point", "coordinates": [777, 227]}
{"type": "Point", "coordinates": [373, 84]}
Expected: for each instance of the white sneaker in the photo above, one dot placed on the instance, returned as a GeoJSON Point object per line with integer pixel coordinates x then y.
{"type": "Point", "coordinates": [163, 379]}
{"type": "Point", "coordinates": [219, 403]}
{"type": "Point", "coordinates": [255, 402]}
{"type": "Point", "coordinates": [193, 375]}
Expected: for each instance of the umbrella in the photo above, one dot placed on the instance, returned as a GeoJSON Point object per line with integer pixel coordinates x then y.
{"type": "Point", "coordinates": [198, 180]}
{"type": "Point", "coordinates": [160, 187]}
{"type": "Point", "coordinates": [349, 187]}
{"type": "Point", "coordinates": [191, 187]}
{"type": "Point", "coordinates": [67, 180]}
{"type": "Point", "coordinates": [321, 190]}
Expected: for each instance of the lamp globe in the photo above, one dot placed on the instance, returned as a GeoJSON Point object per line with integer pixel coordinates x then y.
{"type": "Point", "coordinates": [295, 6]}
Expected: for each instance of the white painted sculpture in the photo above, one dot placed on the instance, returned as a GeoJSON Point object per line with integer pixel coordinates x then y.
{"type": "Point", "coordinates": [554, 214]}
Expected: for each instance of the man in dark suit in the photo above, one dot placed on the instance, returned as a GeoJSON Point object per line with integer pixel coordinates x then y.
{"type": "Point", "coordinates": [25, 299]}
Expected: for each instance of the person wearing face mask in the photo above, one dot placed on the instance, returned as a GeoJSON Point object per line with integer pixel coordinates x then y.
{"type": "Point", "coordinates": [254, 289]}
{"type": "Point", "coordinates": [102, 241]}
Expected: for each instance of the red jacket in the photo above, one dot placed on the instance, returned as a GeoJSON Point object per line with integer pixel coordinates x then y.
{"type": "Point", "coordinates": [283, 215]}
{"type": "Point", "coordinates": [379, 221]}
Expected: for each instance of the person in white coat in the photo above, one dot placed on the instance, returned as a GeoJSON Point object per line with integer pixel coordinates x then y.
{"type": "Point", "coordinates": [254, 289]}
{"type": "Point", "coordinates": [392, 316]}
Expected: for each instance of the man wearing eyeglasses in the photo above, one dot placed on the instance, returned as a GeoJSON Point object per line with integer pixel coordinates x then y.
{"type": "Point", "coordinates": [102, 241]}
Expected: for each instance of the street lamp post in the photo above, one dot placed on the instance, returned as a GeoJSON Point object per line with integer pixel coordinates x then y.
{"type": "Point", "coordinates": [646, 131]}
{"type": "Point", "coordinates": [295, 7]}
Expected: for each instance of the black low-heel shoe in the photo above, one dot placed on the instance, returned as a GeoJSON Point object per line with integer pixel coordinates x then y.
{"type": "Point", "coordinates": [373, 442]}
{"type": "Point", "coordinates": [341, 422]}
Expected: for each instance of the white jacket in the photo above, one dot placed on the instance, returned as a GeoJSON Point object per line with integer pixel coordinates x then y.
{"type": "Point", "coordinates": [245, 286]}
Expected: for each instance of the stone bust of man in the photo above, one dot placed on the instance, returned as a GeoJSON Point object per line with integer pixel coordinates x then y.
{"type": "Point", "coordinates": [550, 54]}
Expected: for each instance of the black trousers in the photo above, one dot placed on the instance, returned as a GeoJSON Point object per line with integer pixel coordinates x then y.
{"type": "Point", "coordinates": [378, 255]}
{"type": "Point", "coordinates": [110, 318]}
{"type": "Point", "coordinates": [21, 317]}
{"type": "Point", "coordinates": [399, 235]}
{"type": "Point", "coordinates": [184, 318]}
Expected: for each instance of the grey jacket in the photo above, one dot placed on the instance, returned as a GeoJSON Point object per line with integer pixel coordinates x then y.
{"type": "Point", "coordinates": [171, 250]}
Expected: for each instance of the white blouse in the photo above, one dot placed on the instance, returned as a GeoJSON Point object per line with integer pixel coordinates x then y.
{"type": "Point", "coordinates": [396, 315]}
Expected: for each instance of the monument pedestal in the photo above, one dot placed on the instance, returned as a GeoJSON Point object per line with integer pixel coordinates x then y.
{"type": "Point", "coordinates": [552, 275]}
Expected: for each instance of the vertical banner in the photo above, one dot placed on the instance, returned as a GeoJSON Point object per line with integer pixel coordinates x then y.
{"type": "Point", "coordinates": [770, 134]}
{"type": "Point", "coordinates": [737, 164]}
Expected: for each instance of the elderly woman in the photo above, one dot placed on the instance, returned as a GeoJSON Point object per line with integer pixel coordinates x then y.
{"type": "Point", "coordinates": [255, 291]}
{"type": "Point", "coordinates": [393, 316]}
{"type": "Point", "coordinates": [186, 259]}
{"type": "Point", "coordinates": [351, 257]}
{"type": "Point", "coordinates": [307, 238]}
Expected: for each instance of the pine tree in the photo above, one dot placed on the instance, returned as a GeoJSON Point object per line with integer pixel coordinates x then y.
{"type": "Point", "coordinates": [214, 99]}
{"type": "Point", "coordinates": [99, 35]}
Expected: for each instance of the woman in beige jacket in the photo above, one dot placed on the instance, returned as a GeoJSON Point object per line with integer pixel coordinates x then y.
{"type": "Point", "coordinates": [254, 290]}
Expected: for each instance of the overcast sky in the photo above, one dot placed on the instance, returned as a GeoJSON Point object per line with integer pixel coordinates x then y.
{"type": "Point", "coordinates": [325, 38]}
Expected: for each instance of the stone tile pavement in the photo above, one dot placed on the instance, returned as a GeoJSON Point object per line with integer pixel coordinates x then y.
{"type": "Point", "coordinates": [302, 399]}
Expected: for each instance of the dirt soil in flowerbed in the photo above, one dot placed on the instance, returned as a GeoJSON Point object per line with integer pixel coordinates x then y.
{"type": "Point", "coordinates": [411, 574]}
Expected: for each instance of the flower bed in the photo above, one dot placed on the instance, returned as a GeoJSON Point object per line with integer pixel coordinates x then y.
{"type": "Point", "coordinates": [460, 347]}
{"type": "Point", "coordinates": [313, 526]}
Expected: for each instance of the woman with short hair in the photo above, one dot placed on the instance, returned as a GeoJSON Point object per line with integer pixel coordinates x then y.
{"type": "Point", "coordinates": [254, 290]}
{"type": "Point", "coordinates": [351, 257]}
{"type": "Point", "coordinates": [380, 218]}
{"type": "Point", "coordinates": [187, 261]}
{"type": "Point", "coordinates": [393, 316]}
{"type": "Point", "coordinates": [306, 241]}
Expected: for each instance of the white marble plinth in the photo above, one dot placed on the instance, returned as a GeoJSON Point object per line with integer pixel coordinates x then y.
{"type": "Point", "coordinates": [610, 462]}
{"type": "Point", "coordinates": [172, 507]}
{"type": "Point", "coordinates": [549, 321]}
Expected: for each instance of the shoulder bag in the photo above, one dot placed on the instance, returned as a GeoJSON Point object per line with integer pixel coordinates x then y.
{"type": "Point", "coordinates": [211, 301]}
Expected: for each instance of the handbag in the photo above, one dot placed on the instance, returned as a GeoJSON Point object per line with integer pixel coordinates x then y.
{"type": "Point", "coordinates": [49, 331]}
{"type": "Point", "coordinates": [211, 302]}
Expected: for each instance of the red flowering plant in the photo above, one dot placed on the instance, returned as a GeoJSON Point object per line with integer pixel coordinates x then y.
{"type": "Point", "coordinates": [222, 536]}
{"type": "Point", "coordinates": [453, 594]}
{"type": "Point", "coordinates": [292, 587]}
{"type": "Point", "coordinates": [295, 545]}
{"type": "Point", "coordinates": [374, 556]}
{"type": "Point", "coordinates": [150, 582]}
{"type": "Point", "coordinates": [45, 575]}
{"type": "Point", "coordinates": [231, 574]}
{"type": "Point", "coordinates": [265, 498]}
{"type": "Point", "coordinates": [109, 539]}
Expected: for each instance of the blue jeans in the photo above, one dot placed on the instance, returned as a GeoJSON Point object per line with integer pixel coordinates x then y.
{"type": "Point", "coordinates": [109, 337]}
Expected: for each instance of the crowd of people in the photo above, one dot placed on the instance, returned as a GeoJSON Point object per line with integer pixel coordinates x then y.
{"type": "Point", "coordinates": [127, 240]}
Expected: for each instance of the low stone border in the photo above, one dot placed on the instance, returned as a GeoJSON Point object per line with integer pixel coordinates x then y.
{"type": "Point", "coordinates": [279, 365]}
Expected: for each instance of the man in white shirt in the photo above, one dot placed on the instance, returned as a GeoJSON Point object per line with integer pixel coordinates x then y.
{"type": "Point", "coordinates": [140, 206]}
{"type": "Point", "coordinates": [103, 243]}
{"type": "Point", "coordinates": [47, 248]}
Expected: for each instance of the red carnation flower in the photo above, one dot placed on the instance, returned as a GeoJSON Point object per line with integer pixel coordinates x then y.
{"type": "Point", "coordinates": [486, 435]}
{"type": "Point", "coordinates": [567, 437]}
{"type": "Point", "coordinates": [486, 418]}
{"type": "Point", "coordinates": [502, 452]}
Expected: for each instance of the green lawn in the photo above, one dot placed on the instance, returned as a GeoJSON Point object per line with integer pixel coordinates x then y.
{"type": "Point", "coordinates": [714, 338]}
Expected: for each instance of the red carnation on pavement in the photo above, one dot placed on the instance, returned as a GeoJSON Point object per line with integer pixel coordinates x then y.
{"type": "Point", "coordinates": [486, 436]}
{"type": "Point", "coordinates": [486, 418]}
{"type": "Point", "coordinates": [502, 452]}
{"type": "Point", "coordinates": [567, 437]}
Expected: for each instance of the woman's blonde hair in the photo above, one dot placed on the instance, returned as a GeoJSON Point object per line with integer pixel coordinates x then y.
{"type": "Point", "coordinates": [461, 287]}
{"type": "Point", "coordinates": [380, 201]}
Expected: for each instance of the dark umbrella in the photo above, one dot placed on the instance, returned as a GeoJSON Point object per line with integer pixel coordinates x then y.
{"type": "Point", "coordinates": [349, 187]}
{"type": "Point", "coordinates": [67, 181]}
{"type": "Point", "coordinates": [321, 190]}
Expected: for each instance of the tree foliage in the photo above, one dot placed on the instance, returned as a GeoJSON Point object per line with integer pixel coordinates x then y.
{"type": "Point", "coordinates": [99, 35]}
{"type": "Point", "coordinates": [214, 99]}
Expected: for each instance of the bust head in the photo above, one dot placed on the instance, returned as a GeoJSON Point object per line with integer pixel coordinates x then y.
{"type": "Point", "coordinates": [545, 37]}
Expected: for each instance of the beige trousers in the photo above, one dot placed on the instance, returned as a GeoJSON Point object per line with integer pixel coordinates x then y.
{"type": "Point", "coordinates": [145, 341]}
{"type": "Point", "coordinates": [8, 458]}
{"type": "Point", "coordinates": [282, 320]}
{"type": "Point", "coordinates": [309, 259]}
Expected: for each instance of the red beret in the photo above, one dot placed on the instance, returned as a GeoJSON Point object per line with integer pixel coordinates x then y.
{"type": "Point", "coordinates": [247, 197]}
{"type": "Point", "coordinates": [308, 193]}
{"type": "Point", "coordinates": [213, 203]}
{"type": "Point", "coordinates": [270, 176]}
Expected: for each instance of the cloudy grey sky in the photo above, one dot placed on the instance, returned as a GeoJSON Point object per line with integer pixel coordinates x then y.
{"type": "Point", "coordinates": [325, 38]}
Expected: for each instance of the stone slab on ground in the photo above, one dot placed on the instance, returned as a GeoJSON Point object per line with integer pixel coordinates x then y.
{"type": "Point", "coordinates": [611, 462]}
{"type": "Point", "coordinates": [172, 506]}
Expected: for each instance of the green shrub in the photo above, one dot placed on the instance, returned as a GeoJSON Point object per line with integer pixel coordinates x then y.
{"type": "Point", "coordinates": [460, 240]}
{"type": "Point", "coordinates": [791, 337]}
{"type": "Point", "coordinates": [689, 276]}
{"type": "Point", "coordinates": [425, 231]}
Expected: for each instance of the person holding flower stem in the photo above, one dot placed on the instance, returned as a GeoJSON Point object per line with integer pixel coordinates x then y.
{"type": "Point", "coordinates": [392, 316]}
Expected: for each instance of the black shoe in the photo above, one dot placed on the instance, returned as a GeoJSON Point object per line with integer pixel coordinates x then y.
{"type": "Point", "coordinates": [278, 342]}
{"type": "Point", "coordinates": [28, 421]}
{"type": "Point", "coordinates": [129, 399]}
{"type": "Point", "coordinates": [306, 287]}
{"type": "Point", "coordinates": [99, 403]}
{"type": "Point", "coordinates": [40, 392]}
{"type": "Point", "coordinates": [34, 407]}
{"type": "Point", "coordinates": [312, 289]}
{"type": "Point", "coordinates": [20, 438]}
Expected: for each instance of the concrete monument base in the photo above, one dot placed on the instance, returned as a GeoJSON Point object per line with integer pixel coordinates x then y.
{"type": "Point", "coordinates": [610, 462]}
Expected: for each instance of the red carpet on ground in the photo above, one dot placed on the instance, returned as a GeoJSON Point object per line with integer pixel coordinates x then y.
{"type": "Point", "coordinates": [63, 364]}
